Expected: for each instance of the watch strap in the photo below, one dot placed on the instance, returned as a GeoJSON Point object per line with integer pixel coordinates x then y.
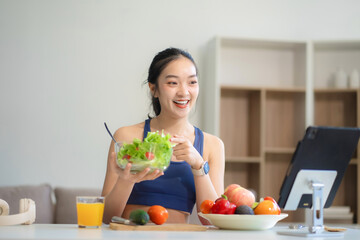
{"type": "Point", "coordinates": [202, 171]}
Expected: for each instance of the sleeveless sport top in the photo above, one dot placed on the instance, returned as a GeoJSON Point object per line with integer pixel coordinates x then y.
{"type": "Point", "coordinates": [175, 189]}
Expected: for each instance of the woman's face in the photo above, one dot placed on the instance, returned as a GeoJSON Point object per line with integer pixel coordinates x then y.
{"type": "Point", "coordinates": [178, 87]}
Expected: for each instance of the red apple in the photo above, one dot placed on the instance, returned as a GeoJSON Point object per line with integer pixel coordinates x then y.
{"type": "Point", "coordinates": [239, 195]}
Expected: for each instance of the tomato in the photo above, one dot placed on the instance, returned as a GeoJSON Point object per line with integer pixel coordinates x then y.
{"type": "Point", "coordinates": [206, 206]}
{"type": "Point", "coordinates": [267, 207]}
{"type": "Point", "coordinates": [158, 214]}
{"type": "Point", "coordinates": [149, 155]}
{"type": "Point", "coordinates": [126, 156]}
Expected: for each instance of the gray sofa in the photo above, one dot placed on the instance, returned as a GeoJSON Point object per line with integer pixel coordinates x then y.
{"type": "Point", "coordinates": [53, 205]}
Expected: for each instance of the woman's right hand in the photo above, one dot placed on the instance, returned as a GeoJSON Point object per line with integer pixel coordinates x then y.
{"type": "Point", "coordinates": [126, 175]}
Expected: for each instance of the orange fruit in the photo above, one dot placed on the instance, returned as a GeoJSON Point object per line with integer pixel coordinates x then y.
{"type": "Point", "coordinates": [276, 206]}
{"type": "Point", "coordinates": [158, 214]}
{"type": "Point", "coordinates": [266, 207]}
{"type": "Point", "coordinates": [206, 206]}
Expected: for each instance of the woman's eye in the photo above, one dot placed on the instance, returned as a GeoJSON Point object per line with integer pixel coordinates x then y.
{"type": "Point", "coordinates": [193, 82]}
{"type": "Point", "coordinates": [172, 83]}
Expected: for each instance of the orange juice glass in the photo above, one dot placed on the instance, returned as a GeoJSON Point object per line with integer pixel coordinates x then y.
{"type": "Point", "coordinates": [90, 211]}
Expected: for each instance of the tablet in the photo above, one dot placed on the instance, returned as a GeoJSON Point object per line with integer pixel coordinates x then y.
{"type": "Point", "coordinates": [322, 148]}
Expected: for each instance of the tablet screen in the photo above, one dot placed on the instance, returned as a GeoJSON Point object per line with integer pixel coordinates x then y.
{"type": "Point", "coordinates": [322, 148]}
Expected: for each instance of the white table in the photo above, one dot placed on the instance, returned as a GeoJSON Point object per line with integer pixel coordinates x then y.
{"type": "Point", "coordinates": [71, 231]}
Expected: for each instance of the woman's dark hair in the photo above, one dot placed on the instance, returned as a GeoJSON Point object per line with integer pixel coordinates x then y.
{"type": "Point", "coordinates": [158, 64]}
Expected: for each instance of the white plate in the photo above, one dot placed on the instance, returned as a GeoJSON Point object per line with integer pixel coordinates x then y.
{"type": "Point", "coordinates": [243, 222]}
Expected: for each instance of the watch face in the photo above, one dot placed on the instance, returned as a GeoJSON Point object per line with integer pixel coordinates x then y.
{"type": "Point", "coordinates": [206, 168]}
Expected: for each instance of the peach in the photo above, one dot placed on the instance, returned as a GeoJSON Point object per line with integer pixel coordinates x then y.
{"type": "Point", "coordinates": [239, 195]}
{"type": "Point", "coordinates": [230, 188]}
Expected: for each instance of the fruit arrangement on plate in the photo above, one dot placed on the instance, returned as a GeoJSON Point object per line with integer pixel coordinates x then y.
{"type": "Point", "coordinates": [237, 209]}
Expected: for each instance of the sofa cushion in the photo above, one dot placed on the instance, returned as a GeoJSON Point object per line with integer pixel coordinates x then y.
{"type": "Point", "coordinates": [41, 194]}
{"type": "Point", "coordinates": [65, 211]}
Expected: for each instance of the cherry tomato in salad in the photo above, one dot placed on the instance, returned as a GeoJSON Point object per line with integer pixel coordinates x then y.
{"type": "Point", "coordinates": [149, 155]}
{"type": "Point", "coordinates": [158, 214]}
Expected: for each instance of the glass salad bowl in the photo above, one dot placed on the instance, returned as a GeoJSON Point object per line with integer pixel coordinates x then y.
{"type": "Point", "coordinates": [154, 152]}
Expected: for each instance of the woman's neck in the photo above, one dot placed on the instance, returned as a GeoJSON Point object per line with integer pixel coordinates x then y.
{"type": "Point", "coordinates": [173, 126]}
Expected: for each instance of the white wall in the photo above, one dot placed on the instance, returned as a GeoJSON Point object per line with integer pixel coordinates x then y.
{"type": "Point", "coordinates": [68, 66]}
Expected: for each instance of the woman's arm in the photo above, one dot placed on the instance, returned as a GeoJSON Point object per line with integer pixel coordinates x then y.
{"type": "Point", "coordinates": [209, 186]}
{"type": "Point", "coordinates": [216, 160]}
{"type": "Point", "coordinates": [116, 190]}
{"type": "Point", "coordinates": [119, 182]}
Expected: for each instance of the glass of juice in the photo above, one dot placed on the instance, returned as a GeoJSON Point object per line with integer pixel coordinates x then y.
{"type": "Point", "coordinates": [90, 211]}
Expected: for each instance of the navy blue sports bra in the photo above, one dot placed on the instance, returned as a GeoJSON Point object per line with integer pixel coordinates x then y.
{"type": "Point", "coordinates": [175, 189]}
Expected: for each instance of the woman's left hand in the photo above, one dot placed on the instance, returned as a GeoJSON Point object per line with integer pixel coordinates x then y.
{"type": "Point", "coordinates": [185, 151]}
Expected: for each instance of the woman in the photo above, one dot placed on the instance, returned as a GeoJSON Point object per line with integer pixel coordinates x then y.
{"type": "Point", "coordinates": [174, 87]}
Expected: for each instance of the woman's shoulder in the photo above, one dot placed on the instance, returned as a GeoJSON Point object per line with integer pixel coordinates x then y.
{"type": "Point", "coordinates": [128, 133]}
{"type": "Point", "coordinates": [212, 140]}
{"type": "Point", "coordinates": [213, 148]}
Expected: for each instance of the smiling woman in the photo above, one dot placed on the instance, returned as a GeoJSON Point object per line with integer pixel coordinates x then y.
{"type": "Point", "coordinates": [158, 65]}
{"type": "Point", "coordinates": [196, 171]}
{"type": "Point", "coordinates": [177, 87]}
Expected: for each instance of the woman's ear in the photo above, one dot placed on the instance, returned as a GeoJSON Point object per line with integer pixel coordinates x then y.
{"type": "Point", "coordinates": [152, 88]}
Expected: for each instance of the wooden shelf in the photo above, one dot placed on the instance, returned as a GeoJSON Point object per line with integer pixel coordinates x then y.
{"type": "Point", "coordinates": [230, 87]}
{"type": "Point", "coordinates": [280, 150]}
{"type": "Point", "coordinates": [263, 88]}
{"type": "Point", "coordinates": [244, 173]}
{"type": "Point", "coordinates": [335, 90]}
{"type": "Point", "coordinates": [353, 161]}
{"type": "Point", "coordinates": [276, 166]}
{"type": "Point", "coordinates": [286, 90]}
{"type": "Point", "coordinates": [240, 122]}
{"type": "Point", "coordinates": [284, 118]}
{"type": "Point", "coordinates": [336, 108]}
{"type": "Point", "coordinates": [243, 159]}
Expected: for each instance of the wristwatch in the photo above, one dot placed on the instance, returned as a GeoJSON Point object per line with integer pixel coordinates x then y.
{"type": "Point", "coordinates": [204, 169]}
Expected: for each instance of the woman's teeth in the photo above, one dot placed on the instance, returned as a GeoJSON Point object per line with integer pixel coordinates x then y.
{"type": "Point", "coordinates": [181, 102]}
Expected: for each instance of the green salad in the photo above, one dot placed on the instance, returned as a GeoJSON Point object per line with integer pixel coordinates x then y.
{"type": "Point", "coordinates": [154, 152]}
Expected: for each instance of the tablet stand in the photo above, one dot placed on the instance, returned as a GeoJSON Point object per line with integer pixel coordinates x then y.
{"type": "Point", "coordinates": [317, 223]}
{"type": "Point", "coordinates": [318, 183]}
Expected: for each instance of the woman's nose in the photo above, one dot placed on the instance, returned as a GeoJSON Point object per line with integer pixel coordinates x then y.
{"type": "Point", "coordinates": [183, 90]}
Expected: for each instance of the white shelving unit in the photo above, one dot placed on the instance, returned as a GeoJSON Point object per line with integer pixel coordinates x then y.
{"type": "Point", "coordinates": [331, 55]}
{"type": "Point", "coordinates": [264, 93]}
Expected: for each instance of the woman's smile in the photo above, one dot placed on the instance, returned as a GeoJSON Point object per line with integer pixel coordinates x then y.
{"type": "Point", "coordinates": [181, 103]}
